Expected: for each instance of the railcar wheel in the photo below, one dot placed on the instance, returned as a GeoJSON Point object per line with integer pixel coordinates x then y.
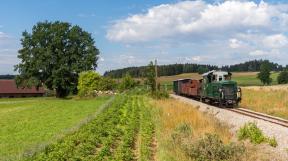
{"type": "Point", "coordinates": [221, 105]}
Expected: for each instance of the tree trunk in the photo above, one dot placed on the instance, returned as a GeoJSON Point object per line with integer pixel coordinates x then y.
{"type": "Point", "coordinates": [61, 92]}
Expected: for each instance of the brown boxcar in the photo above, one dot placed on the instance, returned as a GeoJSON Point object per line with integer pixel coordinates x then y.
{"type": "Point", "coordinates": [191, 88]}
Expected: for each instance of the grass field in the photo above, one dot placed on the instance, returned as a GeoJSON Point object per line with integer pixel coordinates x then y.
{"type": "Point", "coordinates": [27, 124]}
{"type": "Point", "coordinates": [242, 78]}
{"type": "Point", "coordinates": [267, 100]}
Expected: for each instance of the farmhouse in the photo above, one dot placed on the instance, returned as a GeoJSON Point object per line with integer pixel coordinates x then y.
{"type": "Point", "coordinates": [8, 89]}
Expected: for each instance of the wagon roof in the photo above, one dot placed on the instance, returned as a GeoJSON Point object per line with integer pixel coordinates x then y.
{"type": "Point", "coordinates": [9, 86]}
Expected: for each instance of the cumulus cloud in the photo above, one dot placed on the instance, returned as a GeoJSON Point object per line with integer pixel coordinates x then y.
{"type": "Point", "coordinates": [275, 41]}
{"type": "Point", "coordinates": [235, 43]}
{"type": "Point", "coordinates": [196, 17]}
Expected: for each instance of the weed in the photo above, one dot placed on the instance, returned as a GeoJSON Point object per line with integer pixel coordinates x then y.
{"type": "Point", "coordinates": [272, 142]}
{"type": "Point", "coordinates": [254, 134]}
{"type": "Point", "coordinates": [181, 132]}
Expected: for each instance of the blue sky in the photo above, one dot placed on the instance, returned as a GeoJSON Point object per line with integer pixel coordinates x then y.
{"type": "Point", "coordinates": [133, 32]}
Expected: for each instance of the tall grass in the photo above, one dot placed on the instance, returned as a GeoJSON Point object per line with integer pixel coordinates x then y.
{"type": "Point", "coordinates": [169, 114]}
{"type": "Point", "coordinates": [272, 102]}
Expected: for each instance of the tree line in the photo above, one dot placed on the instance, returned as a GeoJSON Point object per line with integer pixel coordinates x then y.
{"type": "Point", "coordinates": [174, 69]}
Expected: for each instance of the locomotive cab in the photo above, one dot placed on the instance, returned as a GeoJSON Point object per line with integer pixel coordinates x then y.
{"type": "Point", "coordinates": [219, 88]}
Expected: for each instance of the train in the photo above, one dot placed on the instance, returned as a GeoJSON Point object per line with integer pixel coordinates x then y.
{"type": "Point", "coordinates": [215, 87]}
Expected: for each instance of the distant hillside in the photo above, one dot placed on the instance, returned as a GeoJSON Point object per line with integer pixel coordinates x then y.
{"type": "Point", "coordinates": [174, 69]}
{"type": "Point", "coordinates": [7, 76]}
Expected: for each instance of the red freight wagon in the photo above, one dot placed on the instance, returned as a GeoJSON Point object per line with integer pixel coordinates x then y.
{"type": "Point", "coordinates": [191, 88]}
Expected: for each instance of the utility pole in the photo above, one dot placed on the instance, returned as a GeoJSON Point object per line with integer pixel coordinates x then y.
{"type": "Point", "coordinates": [156, 75]}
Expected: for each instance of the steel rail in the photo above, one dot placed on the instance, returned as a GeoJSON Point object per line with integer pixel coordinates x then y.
{"type": "Point", "coordinates": [260, 116]}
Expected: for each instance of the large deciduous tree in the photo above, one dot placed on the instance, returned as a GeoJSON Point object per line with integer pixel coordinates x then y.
{"type": "Point", "coordinates": [54, 54]}
{"type": "Point", "coordinates": [264, 74]}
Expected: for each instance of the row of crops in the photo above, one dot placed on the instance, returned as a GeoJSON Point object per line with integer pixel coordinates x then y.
{"type": "Point", "coordinates": [123, 131]}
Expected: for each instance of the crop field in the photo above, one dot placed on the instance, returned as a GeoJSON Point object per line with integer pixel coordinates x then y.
{"type": "Point", "coordinates": [267, 100]}
{"type": "Point", "coordinates": [28, 124]}
{"type": "Point", "coordinates": [242, 78]}
{"type": "Point", "coordinates": [123, 131]}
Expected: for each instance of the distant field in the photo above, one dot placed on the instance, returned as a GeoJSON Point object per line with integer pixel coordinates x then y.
{"type": "Point", "coordinates": [242, 78]}
{"type": "Point", "coordinates": [27, 124]}
{"type": "Point", "coordinates": [272, 100]}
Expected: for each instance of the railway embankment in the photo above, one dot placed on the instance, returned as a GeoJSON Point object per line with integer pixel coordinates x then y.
{"type": "Point", "coordinates": [236, 120]}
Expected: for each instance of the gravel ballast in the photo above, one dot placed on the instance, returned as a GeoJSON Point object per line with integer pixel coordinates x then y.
{"type": "Point", "coordinates": [235, 121]}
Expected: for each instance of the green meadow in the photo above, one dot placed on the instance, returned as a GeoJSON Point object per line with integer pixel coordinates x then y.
{"type": "Point", "coordinates": [28, 124]}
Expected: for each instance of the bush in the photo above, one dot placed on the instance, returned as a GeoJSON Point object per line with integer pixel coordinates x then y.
{"type": "Point", "coordinates": [211, 147]}
{"type": "Point", "coordinates": [127, 83]}
{"type": "Point", "coordinates": [282, 77]}
{"type": "Point", "coordinates": [254, 134]}
{"type": "Point", "coordinates": [89, 82]}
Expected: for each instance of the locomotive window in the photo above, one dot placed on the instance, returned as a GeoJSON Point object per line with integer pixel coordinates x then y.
{"type": "Point", "coordinates": [220, 78]}
{"type": "Point", "coordinates": [214, 78]}
{"type": "Point", "coordinates": [227, 77]}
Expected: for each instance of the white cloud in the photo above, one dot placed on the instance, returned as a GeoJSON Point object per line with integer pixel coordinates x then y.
{"type": "Point", "coordinates": [264, 53]}
{"type": "Point", "coordinates": [196, 58]}
{"type": "Point", "coordinates": [3, 35]}
{"type": "Point", "coordinates": [196, 17]}
{"type": "Point", "coordinates": [275, 41]}
{"type": "Point", "coordinates": [235, 43]}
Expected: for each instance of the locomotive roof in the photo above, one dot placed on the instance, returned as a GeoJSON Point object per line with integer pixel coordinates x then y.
{"type": "Point", "coordinates": [215, 72]}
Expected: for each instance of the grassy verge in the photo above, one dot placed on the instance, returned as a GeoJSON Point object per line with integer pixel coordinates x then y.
{"type": "Point", "coordinates": [183, 133]}
{"type": "Point", "coordinates": [169, 115]}
{"type": "Point", "coordinates": [272, 102]}
{"type": "Point", "coordinates": [29, 124]}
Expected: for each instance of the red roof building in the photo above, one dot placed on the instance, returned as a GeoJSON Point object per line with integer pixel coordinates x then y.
{"type": "Point", "coordinates": [8, 88]}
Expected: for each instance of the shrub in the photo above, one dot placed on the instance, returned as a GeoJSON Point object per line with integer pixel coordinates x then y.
{"type": "Point", "coordinates": [254, 134]}
{"type": "Point", "coordinates": [211, 147]}
{"type": "Point", "coordinates": [282, 77]}
{"type": "Point", "coordinates": [127, 83]}
{"type": "Point", "coordinates": [89, 82]}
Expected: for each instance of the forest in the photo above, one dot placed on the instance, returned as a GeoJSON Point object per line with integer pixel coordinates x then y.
{"type": "Point", "coordinates": [174, 69]}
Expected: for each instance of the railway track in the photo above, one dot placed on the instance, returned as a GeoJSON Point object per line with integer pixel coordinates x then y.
{"type": "Point", "coordinates": [261, 116]}
{"type": "Point", "coordinates": [253, 114]}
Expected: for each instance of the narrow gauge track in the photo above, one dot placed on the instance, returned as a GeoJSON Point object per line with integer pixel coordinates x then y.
{"type": "Point", "coordinates": [260, 116]}
{"type": "Point", "coordinates": [250, 113]}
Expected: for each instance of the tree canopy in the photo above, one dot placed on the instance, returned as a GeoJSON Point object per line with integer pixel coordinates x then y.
{"type": "Point", "coordinates": [54, 54]}
{"type": "Point", "coordinates": [283, 77]}
{"type": "Point", "coordinates": [264, 74]}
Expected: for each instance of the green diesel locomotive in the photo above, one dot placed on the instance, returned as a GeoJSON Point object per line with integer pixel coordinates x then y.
{"type": "Point", "coordinates": [216, 87]}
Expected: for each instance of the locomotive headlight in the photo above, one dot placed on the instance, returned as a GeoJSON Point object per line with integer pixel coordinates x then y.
{"type": "Point", "coordinates": [239, 89]}
{"type": "Point", "coordinates": [220, 89]}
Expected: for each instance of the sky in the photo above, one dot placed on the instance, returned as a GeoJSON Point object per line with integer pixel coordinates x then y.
{"type": "Point", "coordinates": [134, 32]}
